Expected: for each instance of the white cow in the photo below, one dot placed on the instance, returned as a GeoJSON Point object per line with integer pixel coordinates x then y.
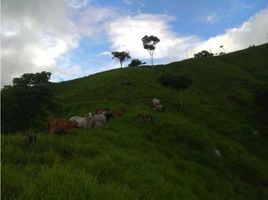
{"type": "Point", "coordinates": [155, 102]}
{"type": "Point", "coordinates": [83, 122]}
{"type": "Point", "coordinates": [159, 108]}
{"type": "Point", "coordinates": [99, 120]}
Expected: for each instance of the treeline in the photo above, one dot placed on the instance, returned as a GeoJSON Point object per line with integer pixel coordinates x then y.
{"type": "Point", "coordinates": [28, 103]}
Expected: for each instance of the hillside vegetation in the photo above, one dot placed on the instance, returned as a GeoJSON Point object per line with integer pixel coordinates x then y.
{"type": "Point", "coordinates": [173, 158]}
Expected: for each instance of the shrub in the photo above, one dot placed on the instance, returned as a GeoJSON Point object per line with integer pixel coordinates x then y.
{"type": "Point", "coordinates": [261, 97]}
{"type": "Point", "coordinates": [28, 103]}
{"type": "Point", "coordinates": [136, 63]}
{"type": "Point", "coordinates": [174, 81]}
{"type": "Point", "coordinates": [203, 53]}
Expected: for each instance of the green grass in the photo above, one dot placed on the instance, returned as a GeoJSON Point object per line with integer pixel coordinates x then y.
{"type": "Point", "coordinates": [171, 159]}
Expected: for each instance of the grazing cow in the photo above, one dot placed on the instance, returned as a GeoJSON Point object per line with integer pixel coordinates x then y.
{"type": "Point", "coordinates": [30, 139]}
{"type": "Point", "coordinates": [83, 122]}
{"type": "Point", "coordinates": [102, 111]}
{"type": "Point", "coordinates": [145, 118]}
{"type": "Point", "coordinates": [160, 108]}
{"type": "Point", "coordinates": [99, 120]}
{"type": "Point", "coordinates": [217, 152]}
{"type": "Point", "coordinates": [119, 113]}
{"type": "Point", "coordinates": [155, 102]}
{"type": "Point", "coordinates": [60, 126]}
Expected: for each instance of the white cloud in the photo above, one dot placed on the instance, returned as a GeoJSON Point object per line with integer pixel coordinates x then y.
{"type": "Point", "coordinates": [212, 18]}
{"type": "Point", "coordinates": [93, 21]}
{"type": "Point", "coordinates": [78, 4]}
{"type": "Point", "coordinates": [250, 32]}
{"type": "Point", "coordinates": [235, 8]}
{"type": "Point", "coordinates": [35, 34]}
{"type": "Point", "coordinates": [39, 35]}
{"type": "Point", "coordinates": [126, 33]}
{"type": "Point", "coordinates": [137, 3]}
{"type": "Point", "coordinates": [128, 2]}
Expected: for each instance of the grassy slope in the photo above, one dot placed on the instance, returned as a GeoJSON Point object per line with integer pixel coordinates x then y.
{"type": "Point", "coordinates": [172, 159]}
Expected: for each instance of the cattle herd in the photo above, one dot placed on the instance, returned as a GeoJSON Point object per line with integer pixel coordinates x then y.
{"type": "Point", "coordinates": [98, 120]}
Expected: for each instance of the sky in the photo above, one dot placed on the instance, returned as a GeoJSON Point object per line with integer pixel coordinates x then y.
{"type": "Point", "coordinates": [74, 38]}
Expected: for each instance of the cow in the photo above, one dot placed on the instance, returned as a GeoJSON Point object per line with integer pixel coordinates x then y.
{"type": "Point", "coordinates": [99, 120]}
{"type": "Point", "coordinates": [155, 102]}
{"type": "Point", "coordinates": [160, 108]}
{"type": "Point", "coordinates": [102, 111]}
{"type": "Point", "coordinates": [61, 126]}
{"type": "Point", "coordinates": [83, 122]}
{"type": "Point", "coordinates": [119, 113]}
{"type": "Point", "coordinates": [145, 118]}
{"type": "Point", "coordinates": [217, 152]}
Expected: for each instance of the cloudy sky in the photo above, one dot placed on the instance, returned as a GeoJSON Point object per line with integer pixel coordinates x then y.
{"type": "Point", "coordinates": [74, 38]}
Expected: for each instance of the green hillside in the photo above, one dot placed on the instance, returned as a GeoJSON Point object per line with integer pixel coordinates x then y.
{"type": "Point", "coordinates": [173, 158]}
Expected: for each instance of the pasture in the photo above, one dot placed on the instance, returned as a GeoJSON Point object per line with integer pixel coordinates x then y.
{"type": "Point", "coordinates": [208, 144]}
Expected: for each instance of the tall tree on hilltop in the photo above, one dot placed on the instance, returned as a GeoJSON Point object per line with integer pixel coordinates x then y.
{"type": "Point", "coordinates": [121, 56]}
{"type": "Point", "coordinates": [149, 43]}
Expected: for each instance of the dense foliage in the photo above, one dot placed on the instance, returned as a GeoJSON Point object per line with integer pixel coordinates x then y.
{"type": "Point", "coordinates": [202, 54]}
{"type": "Point", "coordinates": [31, 79]}
{"type": "Point", "coordinates": [261, 99]}
{"type": "Point", "coordinates": [136, 63]}
{"type": "Point", "coordinates": [174, 81]}
{"type": "Point", "coordinates": [28, 103]}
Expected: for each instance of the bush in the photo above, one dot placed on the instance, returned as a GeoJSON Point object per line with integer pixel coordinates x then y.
{"type": "Point", "coordinates": [203, 53]}
{"type": "Point", "coordinates": [261, 97]}
{"type": "Point", "coordinates": [174, 81]}
{"type": "Point", "coordinates": [28, 103]}
{"type": "Point", "coordinates": [136, 63]}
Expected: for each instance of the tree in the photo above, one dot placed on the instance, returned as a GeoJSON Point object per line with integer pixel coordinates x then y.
{"type": "Point", "coordinates": [149, 43]}
{"type": "Point", "coordinates": [203, 53]}
{"type": "Point", "coordinates": [28, 103]}
{"type": "Point", "coordinates": [31, 79]}
{"type": "Point", "coordinates": [121, 56]}
{"type": "Point", "coordinates": [136, 62]}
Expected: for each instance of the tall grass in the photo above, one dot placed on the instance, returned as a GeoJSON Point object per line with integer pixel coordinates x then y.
{"type": "Point", "coordinates": [173, 158]}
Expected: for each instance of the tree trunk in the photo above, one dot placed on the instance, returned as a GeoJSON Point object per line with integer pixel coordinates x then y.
{"type": "Point", "coordinates": [152, 57]}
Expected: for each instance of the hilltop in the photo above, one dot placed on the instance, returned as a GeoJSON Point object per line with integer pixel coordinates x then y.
{"type": "Point", "coordinates": [174, 158]}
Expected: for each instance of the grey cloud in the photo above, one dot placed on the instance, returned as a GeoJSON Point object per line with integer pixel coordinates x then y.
{"type": "Point", "coordinates": [32, 28]}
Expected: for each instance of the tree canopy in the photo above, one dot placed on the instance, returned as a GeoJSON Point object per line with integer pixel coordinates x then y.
{"type": "Point", "coordinates": [31, 79]}
{"type": "Point", "coordinates": [28, 103]}
{"type": "Point", "coordinates": [203, 53]}
{"type": "Point", "coordinates": [149, 43]}
{"type": "Point", "coordinates": [121, 56]}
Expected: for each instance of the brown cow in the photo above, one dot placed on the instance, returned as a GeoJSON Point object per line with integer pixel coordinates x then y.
{"type": "Point", "coordinates": [102, 111]}
{"type": "Point", "coordinates": [119, 113]}
{"type": "Point", "coordinates": [61, 126]}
